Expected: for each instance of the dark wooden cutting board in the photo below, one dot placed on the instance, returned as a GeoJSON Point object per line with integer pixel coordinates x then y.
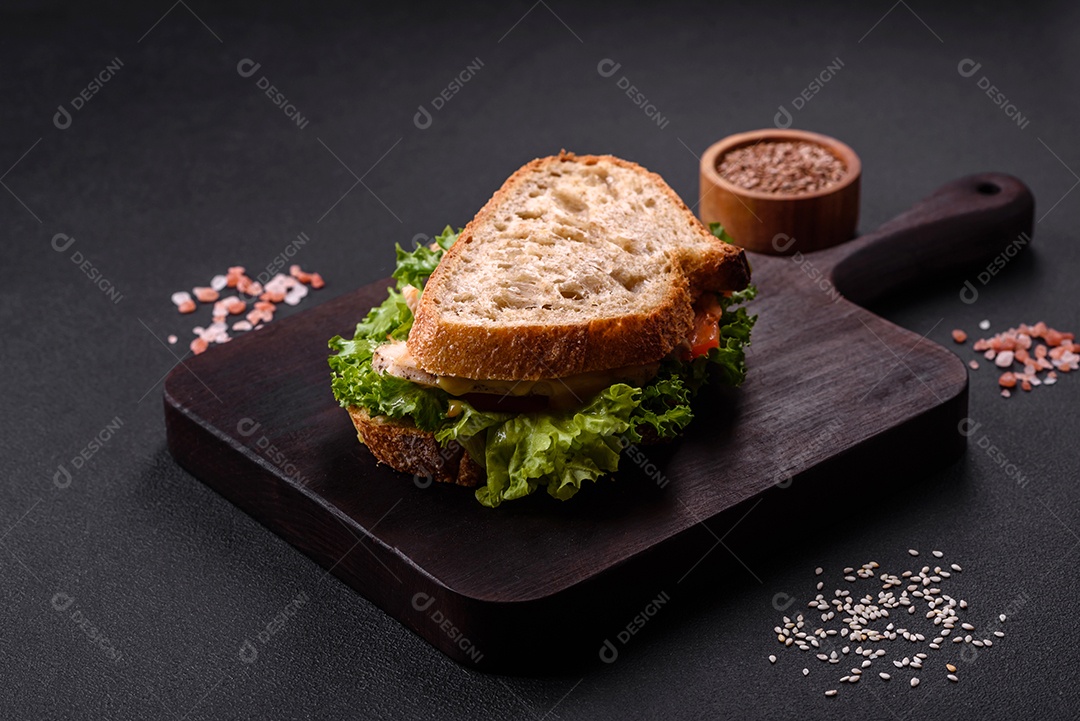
{"type": "Point", "coordinates": [538, 583]}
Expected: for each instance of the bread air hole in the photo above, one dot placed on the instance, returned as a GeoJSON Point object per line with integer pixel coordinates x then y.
{"type": "Point", "coordinates": [628, 245]}
{"type": "Point", "coordinates": [570, 202]}
{"type": "Point", "coordinates": [514, 298]}
{"type": "Point", "coordinates": [629, 279]}
{"type": "Point", "coordinates": [565, 231]}
{"type": "Point", "coordinates": [572, 291]}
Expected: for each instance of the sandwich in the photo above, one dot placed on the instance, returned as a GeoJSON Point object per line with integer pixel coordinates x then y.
{"type": "Point", "coordinates": [580, 311]}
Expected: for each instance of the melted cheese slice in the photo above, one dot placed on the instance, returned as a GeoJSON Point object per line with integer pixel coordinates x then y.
{"type": "Point", "coordinates": [394, 359]}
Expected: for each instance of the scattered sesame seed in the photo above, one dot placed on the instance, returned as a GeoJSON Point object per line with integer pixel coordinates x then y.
{"type": "Point", "coordinates": [956, 567]}
{"type": "Point", "coordinates": [858, 616]}
{"type": "Point", "coordinates": [952, 677]}
{"type": "Point", "coordinates": [831, 692]}
{"type": "Point", "coordinates": [1002, 618]}
{"type": "Point", "coordinates": [818, 571]}
{"type": "Point", "coordinates": [913, 552]}
{"type": "Point", "coordinates": [984, 325]}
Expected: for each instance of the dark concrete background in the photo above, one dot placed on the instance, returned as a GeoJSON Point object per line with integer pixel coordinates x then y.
{"type": "Point", "coordinates": [180, 167]}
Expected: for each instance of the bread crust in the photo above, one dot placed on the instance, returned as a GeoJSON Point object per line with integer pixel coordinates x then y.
{"type": "Point", "coordinates": [531, 352]}
{"type": "Point", "coordinates": [407, 449]}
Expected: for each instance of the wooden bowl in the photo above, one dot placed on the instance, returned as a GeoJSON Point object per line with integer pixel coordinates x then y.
{"type": "Point", "coordinates": [781, 223]}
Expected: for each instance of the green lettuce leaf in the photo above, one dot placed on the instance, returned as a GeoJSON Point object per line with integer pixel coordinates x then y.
{"type": "Point", "coordinates": [664, 407]}
{"type": "Point", "coordinates": [559, 451]}
{"type": "Point", "coordinates": [469, 429]}
{"type": "Point", "coordinates": [355, 382]}
{"type": "Point", "coordinates": [392, 319]}
{"type": "Point", "coordinates": [414, 268]}
{"type": "Point", "coordinates": [718, 230]}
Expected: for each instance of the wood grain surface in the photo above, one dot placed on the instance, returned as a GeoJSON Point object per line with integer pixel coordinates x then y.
{"type": "Point", "coordinates": [538, 583]}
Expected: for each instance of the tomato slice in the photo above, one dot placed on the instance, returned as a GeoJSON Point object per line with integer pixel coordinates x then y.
{"type": "Point", "coordinates": [706, 334]}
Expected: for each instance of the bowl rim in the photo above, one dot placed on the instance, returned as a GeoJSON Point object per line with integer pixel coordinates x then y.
{"type": "Point", "coordinates": [852, 163]}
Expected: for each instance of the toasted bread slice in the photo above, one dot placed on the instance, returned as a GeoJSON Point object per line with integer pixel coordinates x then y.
{"type": "Point", "coordinates": [577, 264]}
{"type": "Point", "coordinates": [407, 449]}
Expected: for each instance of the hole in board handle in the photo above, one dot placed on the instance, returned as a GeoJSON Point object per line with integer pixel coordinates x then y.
{"type": "Point", "coordinates": [987, 189]}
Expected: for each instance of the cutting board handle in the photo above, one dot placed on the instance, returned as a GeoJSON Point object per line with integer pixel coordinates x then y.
{"type": "Point", "coordinates": [964, 225]}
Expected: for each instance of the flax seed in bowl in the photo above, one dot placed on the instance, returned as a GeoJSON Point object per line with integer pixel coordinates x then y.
{"type": "Point", "coordinates": [782, 166]}
{"type": "Point", "coordinates": [781, 191]}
